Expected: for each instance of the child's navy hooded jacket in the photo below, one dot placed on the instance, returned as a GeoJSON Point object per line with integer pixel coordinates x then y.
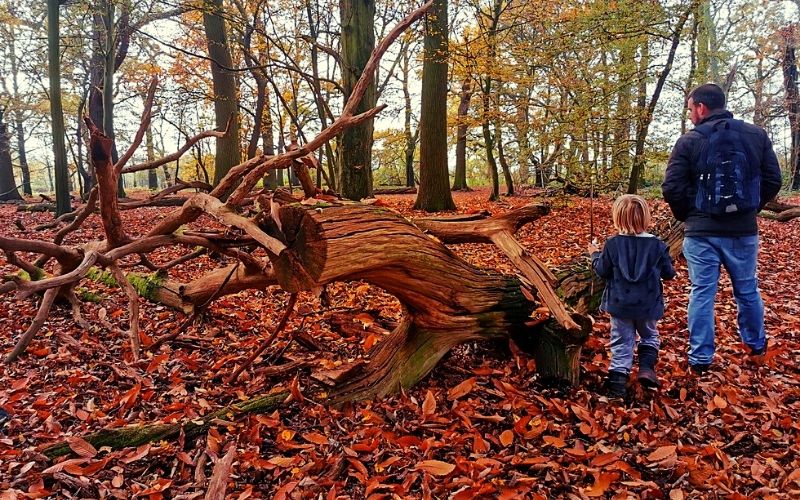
{"type": "Point", "coordinates": [633, 266]}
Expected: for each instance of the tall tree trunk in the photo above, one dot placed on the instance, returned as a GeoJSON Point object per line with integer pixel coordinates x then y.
{"type": "Point", "coordinates": [152, 174]}
{"type": "Point", "coordinates": [23, 157]}
{"type": "Point", "coordinates": [8, 185]}
{"type": "Point", "coordinates": [63, 203]}
{"type": "Point", "coordinates": [434, 194]}
{"type": "Point", "coordinates": [411, 138]}
{"type": "Point", "coordinates": [620, 149]}
{"type": "Point", "coordinates": [268, 143]}
{"type": "Point", "coordinates": [226, 98]}
{"type": "Point", "coordinates": [498, 135]}
{"type": "Point", "coordinates": [523, 129]}
{"type": "Point", "coordinates": [789, 65]}
{"type": "Point", "coordinates": [460, 180]}
{"type": "Point", "coordinates": [318, 98]}
{"type": "Point", "coordinates": [491, 36]}
{"type": "Point", "coordinates": [647, 117]}
{"type": "Point", "coordinates": [19, 122]}
{"type": "Point", "coordinates": [355, 150]}
{"type": "Point", "coordinates": [491, 164]}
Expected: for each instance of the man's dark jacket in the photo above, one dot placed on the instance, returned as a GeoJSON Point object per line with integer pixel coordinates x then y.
{"type": "Point", "coordinates": [633, 266]}
{"type": "Point", "coordinates": [680, 181]}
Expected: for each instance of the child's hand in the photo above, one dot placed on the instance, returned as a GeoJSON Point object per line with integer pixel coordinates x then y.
{"type": "Point", "coordinates": [592, 247]}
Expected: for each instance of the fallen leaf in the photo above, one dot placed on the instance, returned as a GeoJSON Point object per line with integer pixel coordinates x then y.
{"type": "Point", "coordinates": [435, 467]}
{"type": "Point", "coordinates": [661, 453]}
{"type": "Point", "coordinates": [81, 447]}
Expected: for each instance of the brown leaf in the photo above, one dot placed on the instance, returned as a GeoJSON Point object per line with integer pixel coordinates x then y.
{"type": "Point", "coordinates": [602, 481]}
{"type": "Point", "coordinates": [435, 467]}
{"type": "Point", "coordinates": [461, 389]}
{"type": "Point", "coordinates": [429, 405]}
{"type": "Point", "coordinates": [554, 441]}
{"type": "Point", "coordinates": [81, 447]}
{"type": "Point", "coordinates": [137, 454]}
{"type": "Point", "coordinates": [315, 437]}
{"type": "Point", "coordinates": [661, 453]}
{"type": "Point", "coordinates": [507, 437]}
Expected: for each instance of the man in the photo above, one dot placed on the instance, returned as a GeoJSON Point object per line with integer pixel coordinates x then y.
{"type": "Point", "coordinates": [720, 174]}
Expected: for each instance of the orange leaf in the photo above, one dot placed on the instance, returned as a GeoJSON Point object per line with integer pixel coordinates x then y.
{"type": "Point", "coordinates": [507, 437]}
{"type": "Point", "coordinates": [370, 341]}
{"type": "Point", "coordinates": [137, 454]}
{"type": "Point", "coordinates": [479, 445]}
{"type": "Point", "coordinates": [294, 388]}
{"type": "Point", "coordinates": [365, 319]}
{"type": "Point", "coordinates": [661, 453]}
{"type": "Point", "coordinates": [461, 389]}
{"type": "Point", "coordinates": [81, 447]}
{"type": "Point", "coordinates": [429, 405]}
{"type": "Point", "coordinates": [435, 467]}
{"type": "Point", "coordinates": [720, 402]}
{"type": "Point", "coordinates": [555, 441]}
{"type": "Point", "coordinates": [315, 437]}
{"type": "Point", "coordinates": [129, 399]}
{"type": "Point", "coordinates": [601, 483]}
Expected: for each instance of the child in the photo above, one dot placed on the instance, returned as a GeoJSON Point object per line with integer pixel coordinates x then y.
{"type": "Point", "coordinates": [632, 263]}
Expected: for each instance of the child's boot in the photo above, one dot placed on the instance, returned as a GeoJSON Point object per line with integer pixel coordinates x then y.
{"type": "Point", "coordinates": [616, 384]}
{"type": "Point", "coordinates": [648, 356]}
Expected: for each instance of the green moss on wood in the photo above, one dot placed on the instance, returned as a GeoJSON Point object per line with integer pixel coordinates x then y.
{"type": "Point", "coordinates": [146, 285]}
{"type": "Point", "coordinates": [137, 435]}
{"type": "Point", "coordinates": [86, 295]}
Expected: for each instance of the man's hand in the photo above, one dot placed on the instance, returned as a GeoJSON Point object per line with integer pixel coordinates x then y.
{"type": "Point", "coordinates": [592, 247]}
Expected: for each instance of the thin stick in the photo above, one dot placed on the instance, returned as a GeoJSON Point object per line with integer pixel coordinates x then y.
{"type": "Point", "coordinates": [38, 321]}
{"type": "Point", "coordinates": [257, 353]}
{"type": "Point", "coordinates": [133, 304]}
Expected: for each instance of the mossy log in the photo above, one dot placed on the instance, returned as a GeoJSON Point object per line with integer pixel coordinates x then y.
{"type": "Point", "coordinates": [136, 435]}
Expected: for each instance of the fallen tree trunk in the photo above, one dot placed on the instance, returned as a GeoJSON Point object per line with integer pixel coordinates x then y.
{"type": "Point", "coordinates": [784, 212]}
{"type": "Point", "coordinates": [136, 435]}
{"type": "Point", "coordinates": [445, 300]}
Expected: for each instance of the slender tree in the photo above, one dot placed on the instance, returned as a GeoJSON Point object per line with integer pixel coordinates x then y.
{"type": "Point", "coordinates": [460, 178]}
{"type": "Point", "coordinates": [355, 150]}
{"type": "Point", "coordinates": [226, 98]}
{"type": "Point", "coordinates": [8, 185]}
{"type": "Point", "coordinates": [790, 85]}
{"type": "Point", "coordinates": [434, 181]}
{"type": "Point", "coordinates": [63, 204]}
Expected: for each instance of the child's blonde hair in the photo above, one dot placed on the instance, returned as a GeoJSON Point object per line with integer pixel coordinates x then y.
{"type": "Point", "coordinates": [630, 214]}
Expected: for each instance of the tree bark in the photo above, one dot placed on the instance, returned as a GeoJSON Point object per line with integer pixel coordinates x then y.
{"type": "Point", "coordinates": [63, 202]}
{"type": "Point", "coordinates": [790, 85]}
{"type": "Point", "coordinates": [498, 134]}
{"type": "Point", "coordinates": [226, 99]}
{"type": "Point", "coordinates": [8, 185]}
{"type": "Point", "coordinates": [460, 179]}
{"type": "Point", "coordinates": [355, 150]}
{"type": "Point", "coordinates": [434, 194]}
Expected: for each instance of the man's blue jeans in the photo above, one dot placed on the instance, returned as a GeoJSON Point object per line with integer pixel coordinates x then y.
{"type": "Point", "coordinates": [704, 255]}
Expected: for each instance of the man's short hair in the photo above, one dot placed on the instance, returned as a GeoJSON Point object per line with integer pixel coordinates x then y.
{"type": "Point", "coordinates": [709, 94]}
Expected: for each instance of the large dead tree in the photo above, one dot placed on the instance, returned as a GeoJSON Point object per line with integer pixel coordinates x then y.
{"type": "Point", "coordinates": [307, 245]}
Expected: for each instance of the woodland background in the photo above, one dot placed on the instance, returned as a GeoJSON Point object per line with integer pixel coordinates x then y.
{"type": "Point", "coordinates": [549, 105]}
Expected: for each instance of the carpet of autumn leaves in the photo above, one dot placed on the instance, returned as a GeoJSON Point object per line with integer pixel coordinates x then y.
{"type": "Point", "coordinates": [480, 425]}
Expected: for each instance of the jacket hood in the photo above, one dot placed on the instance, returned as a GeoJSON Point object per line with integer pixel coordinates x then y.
{"type": "Point", "coordinates": [637, 266]}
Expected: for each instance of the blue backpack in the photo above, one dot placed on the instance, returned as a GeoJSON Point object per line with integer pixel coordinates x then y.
{"type": "Point", "coordinates": [726, 181]}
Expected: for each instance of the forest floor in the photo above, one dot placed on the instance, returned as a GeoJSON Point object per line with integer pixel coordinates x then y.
{"type": "Point", "coordinates": [480, 425]}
